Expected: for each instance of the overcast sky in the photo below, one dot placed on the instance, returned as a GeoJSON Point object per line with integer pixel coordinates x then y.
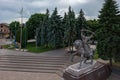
{"type": "Point", "coordinates": [9, 9]}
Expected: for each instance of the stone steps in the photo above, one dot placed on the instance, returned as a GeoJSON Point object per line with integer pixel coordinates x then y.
{"type": "Point", "coordinates": [21, 56]}
{"type": "Point", "coordinates": [39, 64]}
{"type": "Point", "coordinates": [33, 62]}
{"type": "Point", "coordinates": [42, 60]}
{"type": "Point", "coordinates": [32, 65]}
{"type": "Point", "coordinates": [28, 70]}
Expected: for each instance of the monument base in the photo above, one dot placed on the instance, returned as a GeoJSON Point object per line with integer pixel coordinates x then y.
{"type": "Point", "coordinates": [95, 71]}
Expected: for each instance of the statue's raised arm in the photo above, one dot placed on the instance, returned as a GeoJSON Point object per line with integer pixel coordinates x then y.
{"type": "Point", "coordinates": [86, 38]}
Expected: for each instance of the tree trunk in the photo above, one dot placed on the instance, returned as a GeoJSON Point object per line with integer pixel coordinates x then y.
{"type": "Point", "coordinates": [110, 61]}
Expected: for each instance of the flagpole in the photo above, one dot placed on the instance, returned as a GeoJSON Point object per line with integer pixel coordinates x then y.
{"type": "Point", "coordinates": [68, 3]}
{"type": "Point", "coordinates": [21, 13]}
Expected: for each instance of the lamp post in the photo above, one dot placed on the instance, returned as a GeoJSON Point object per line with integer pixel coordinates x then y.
{"type": "Point", "coordinates": [36, 37]}
{"type": "Point", "coordinates": [25, 35]}
{"type": "Point", "coordinates": [15, 32]}
{"type": "Point", "coordinates": [21, 13]}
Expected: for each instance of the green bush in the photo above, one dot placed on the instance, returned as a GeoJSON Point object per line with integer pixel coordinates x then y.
{"type": "Point", "coordinates": [96, 56]}
{"type": "Point", "coordinates": [32, 48]}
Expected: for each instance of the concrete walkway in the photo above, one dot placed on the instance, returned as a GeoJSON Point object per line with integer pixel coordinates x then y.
{"type": "Point", "coordinates": [10, 75]}
{"type": "Point", "coordinates": [114, 77]}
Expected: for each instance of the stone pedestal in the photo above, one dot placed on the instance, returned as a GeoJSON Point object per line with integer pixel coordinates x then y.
{"type": "Point", "coordinates": [96, 71]}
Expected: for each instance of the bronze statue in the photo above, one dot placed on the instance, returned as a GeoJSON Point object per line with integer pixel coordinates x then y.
{"type": "Point", "coordinates": [82, 47]}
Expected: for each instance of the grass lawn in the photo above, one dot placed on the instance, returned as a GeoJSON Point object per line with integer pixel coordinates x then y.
{"type": "Point", "coordinates": [7, 46]}
{"type": "Point", "coordinates": [117, 64]}
{"type": "Point", "coordinates": [96, 56]}
{"type": "Point", "coordinates": [32, 48]}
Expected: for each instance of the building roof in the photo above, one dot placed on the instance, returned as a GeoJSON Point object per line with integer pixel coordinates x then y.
{"type": "Point", "coordinates": [5, 24]}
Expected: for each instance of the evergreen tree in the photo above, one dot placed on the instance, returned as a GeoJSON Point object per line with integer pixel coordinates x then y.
{"type": "Point", "coordinates": [108, 33]}
{"type": "Point", "coordinates": [93, 26]}
{"type": "Point", "coordinates": [65, 27]}
{"type": "Point", "coordinates": [14, 26]}
{"type": "Point", "coordinates": [18, 35]}
{"type": "Point", "coordinates": [70, 28]}
{"type": "Point", "coordinates": [46, 29]}
{"type": "Point", "coordinates": [56, 30]}
{"type": "Point", "coordinates": [80, 24]}
{"type": "Point", "coordinates": [24, 37]}
{"type": "Point", "coordinates": [40, 30]}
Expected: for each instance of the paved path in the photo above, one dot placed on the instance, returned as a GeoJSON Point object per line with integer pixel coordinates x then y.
{"type": "Point", "coordinates": [115, 74]}
{"type": "Point", "coordinates": [10, 75]}
{"type": "Point", "coordinates": [114, 77]}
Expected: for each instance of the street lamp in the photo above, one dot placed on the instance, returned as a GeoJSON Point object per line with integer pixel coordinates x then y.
{"type": "Point", "coordinates": [21, 13]}
{"type": "Point", "coordinates": [15, 31]}
{"type": "Point", "coordinates": [36, 37]}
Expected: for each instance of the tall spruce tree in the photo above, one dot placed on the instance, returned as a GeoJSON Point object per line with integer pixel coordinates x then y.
{"type": "Point", "coordinates": [65, 27]}
{"type": "Point", "coordinates": [40, 30]}
{"type": "Point", "coordinates": [93, 26]}
{"type": "Point", "coordinates": [108, 33]}
{"type": "Point", "coordinates": [46, 29]}
{"type": "Point", "coordinates": [56, 30]}
{"type": "Point", "coordinates": [70, 29]}
{"type": "Point", "coordinates": [80, 23]}
{"type": "Point", "coordinates": [14, 26]}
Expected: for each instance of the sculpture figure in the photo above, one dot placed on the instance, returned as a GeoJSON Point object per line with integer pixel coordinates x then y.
{"type": "Point", "coordinates": [82, 47]}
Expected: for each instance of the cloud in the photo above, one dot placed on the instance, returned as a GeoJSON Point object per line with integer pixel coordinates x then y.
{"type": "Point", "coordinates": [9, 9]}
{"type": "Point", "coordinates": [16, 19]}
{"type": "Point", "coordinates": [39, 4]}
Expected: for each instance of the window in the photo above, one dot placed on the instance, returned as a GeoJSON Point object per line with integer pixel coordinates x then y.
{"type": "Point", "coordinates": [1, 26]}
{"type": "Point", "coordinates": [4, 30]}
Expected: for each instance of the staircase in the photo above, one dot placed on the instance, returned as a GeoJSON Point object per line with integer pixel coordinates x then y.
{"type": "Point", "coordinates": [37, 64]}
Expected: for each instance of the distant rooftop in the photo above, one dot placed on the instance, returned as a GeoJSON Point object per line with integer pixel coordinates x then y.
{"type": "Point", "coordinates": [6, 24]}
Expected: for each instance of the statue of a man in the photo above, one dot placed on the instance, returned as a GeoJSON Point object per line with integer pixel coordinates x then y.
{"type": "Point", "coordinates": [82, 47]}
{"type": "Point", "coordinates": [85, 39]}
{"type": "Point", "coordinates": [88, 52]}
